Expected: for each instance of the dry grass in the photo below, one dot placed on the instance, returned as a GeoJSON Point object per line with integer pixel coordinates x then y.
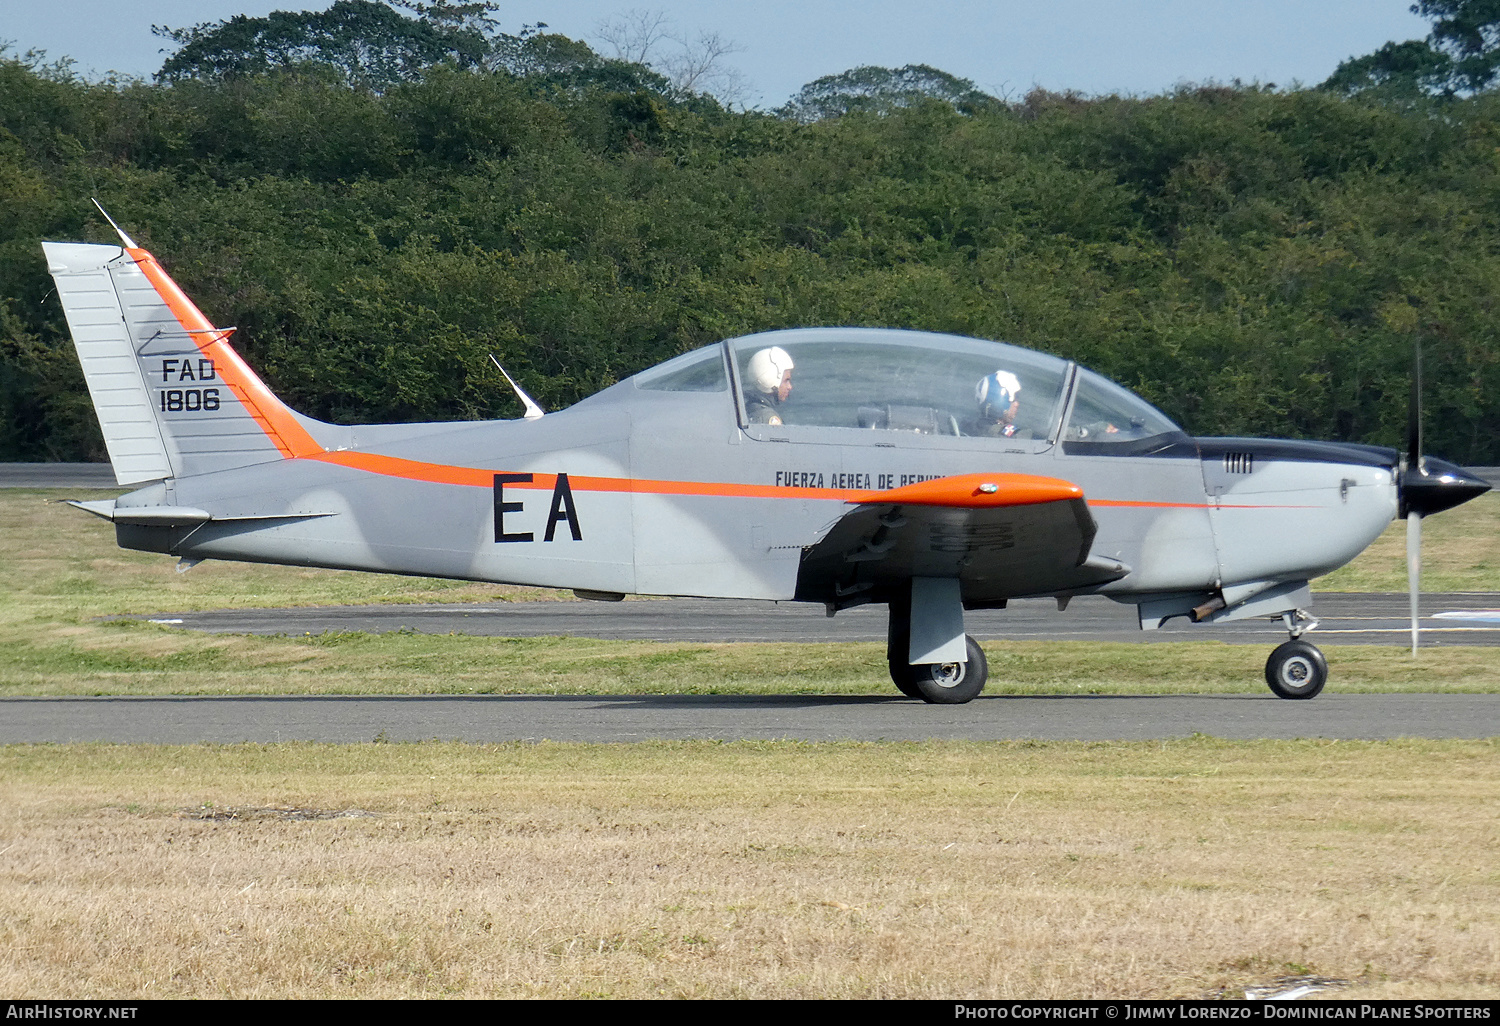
{"type": "Point", "coordinates": [743, 870]}
{"type": "Point", "coordinates": [772, 870]}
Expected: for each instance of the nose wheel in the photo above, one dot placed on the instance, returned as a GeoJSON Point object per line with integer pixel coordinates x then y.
{"type": "Point", "coordinates": [1296, 669]}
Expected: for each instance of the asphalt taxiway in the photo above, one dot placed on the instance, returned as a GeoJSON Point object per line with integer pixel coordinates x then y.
{"type": "Point", "coordinates": [1448, 619]}
{"type": "Point", "coordinates": [631, 718]}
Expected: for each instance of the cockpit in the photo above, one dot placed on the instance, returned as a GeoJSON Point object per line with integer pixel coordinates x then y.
{"type": "Point", "coordinates": [803, 384]}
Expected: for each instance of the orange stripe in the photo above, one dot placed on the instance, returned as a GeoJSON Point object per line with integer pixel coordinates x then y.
{"type": "Point", "coordinates": [438, 473]}
{"type": "Point", "coordinates": [1130, 503]}
{"type": "Point", "coordinates": [411, 470]}
{"type": "Point", "coordinates": [1012, 490]}
{"type": "Point", "coordinates": [1134, 504]}
{"type": "Point", "coordinates": [260, 402]}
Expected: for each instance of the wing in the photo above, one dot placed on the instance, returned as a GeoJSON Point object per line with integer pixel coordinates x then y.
{"type": "Point", "coordinates": [1001, 535]}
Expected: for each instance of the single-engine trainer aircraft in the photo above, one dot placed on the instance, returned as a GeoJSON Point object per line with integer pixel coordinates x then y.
{"type": "Point", "coordinates": [932, 473]}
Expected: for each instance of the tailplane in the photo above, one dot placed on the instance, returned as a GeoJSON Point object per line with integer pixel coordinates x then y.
{"type": "Point", "coordinates": [173, 397]}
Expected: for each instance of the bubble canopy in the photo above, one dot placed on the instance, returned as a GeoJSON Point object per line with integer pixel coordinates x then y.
{"type": "Point", "coordinates": [916, 382]}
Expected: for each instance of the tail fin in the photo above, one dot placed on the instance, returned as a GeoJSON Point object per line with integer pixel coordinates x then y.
{"type": "Point", "coordinates": [173, 397]}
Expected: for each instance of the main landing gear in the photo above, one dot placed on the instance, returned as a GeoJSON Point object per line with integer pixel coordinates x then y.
{"type": "Point", "coordinates": [1296, 668]}
{"type": "Point", "coordinates": [943, 683]}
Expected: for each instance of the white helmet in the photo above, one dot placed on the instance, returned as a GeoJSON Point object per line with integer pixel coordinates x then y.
{"type": "Point", "coordinates": [995, 392]}
{"type": "Point", "coordinates": [768, 367]}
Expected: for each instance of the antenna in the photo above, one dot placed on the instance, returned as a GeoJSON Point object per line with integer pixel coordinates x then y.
{"type": "Point", "coordinates": [129, 242]}
{"type": "Point", "coordinates": [533, 411]}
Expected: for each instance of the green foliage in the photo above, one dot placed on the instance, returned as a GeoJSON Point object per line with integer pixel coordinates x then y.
{"type": "Point", "coordinates": [1468, 31]}
{"type": "Point", "coordinates": [1460, 56]}
{"type": "Point", "coordinates": [1253, 261]}
{"type": "Point", "coordinates": [366, 42]}
{"type": "Point", "coordinates": [1407, 70]}
{"type": "Point", "coordinates": [881, 90]}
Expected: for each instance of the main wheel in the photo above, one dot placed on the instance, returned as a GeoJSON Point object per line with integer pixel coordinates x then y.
{"type": "Point", "coordinates": [1296, 669]}
{"type": "Point", "coordinates": [944, 683]}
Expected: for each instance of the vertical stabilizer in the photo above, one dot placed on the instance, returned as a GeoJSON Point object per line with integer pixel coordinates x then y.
{"type": "Point", "coordinates": [173, 397]}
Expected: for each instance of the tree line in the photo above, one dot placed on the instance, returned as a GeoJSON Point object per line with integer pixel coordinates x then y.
{"type": "Point", "coordinates": [1252, 260]}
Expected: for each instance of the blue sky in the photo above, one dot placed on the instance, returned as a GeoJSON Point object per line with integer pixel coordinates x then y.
{"type": "Point", "coordinates": [1006, 46]}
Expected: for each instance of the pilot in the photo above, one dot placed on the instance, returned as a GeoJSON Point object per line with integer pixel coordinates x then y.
{"type": "Point", "coordinates": [770, 382]}
{"type": "Point", "coordinates": [998, 396]}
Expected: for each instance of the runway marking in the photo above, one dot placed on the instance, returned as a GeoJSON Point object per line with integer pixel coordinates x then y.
{"type": "Point", "coordinates": [1398, 630]}
{"type": "Point", "coordinates": [1476, 615]}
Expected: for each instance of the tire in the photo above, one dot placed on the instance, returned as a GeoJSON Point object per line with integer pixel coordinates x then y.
{"type": "Point", "coordinates": [905, 679]}
{"type": "Point", "coordinates": [948, 683]}
{"type": "Point", "coordinates": [898, 638]}
{"type": "Point", "coordinates": [1296, 670]}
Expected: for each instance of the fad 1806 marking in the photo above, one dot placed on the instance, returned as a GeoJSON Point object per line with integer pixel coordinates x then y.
{"type": "Point", "coordinates": [188, 400]}
{"type": "Point", "coordinates": [562, 509]}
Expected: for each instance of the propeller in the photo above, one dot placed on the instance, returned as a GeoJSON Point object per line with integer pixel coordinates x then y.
{"type": "Point", "coordinates": [1425, 486]}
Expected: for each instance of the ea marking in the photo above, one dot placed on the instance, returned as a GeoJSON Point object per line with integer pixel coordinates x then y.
{"type": "Point", "coordinates": [188, 400]}
{"type": "Point", "coordinates": [562, 509]}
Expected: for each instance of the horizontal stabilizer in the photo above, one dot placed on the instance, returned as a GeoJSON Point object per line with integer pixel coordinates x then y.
{"type": "Point", "coordinates": [173, 516]}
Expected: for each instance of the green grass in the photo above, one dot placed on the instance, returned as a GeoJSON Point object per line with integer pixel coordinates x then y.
{"type": "Point", "coordinates": [61, 573]}
{"type": "Point", "coordinates": [136, 658]}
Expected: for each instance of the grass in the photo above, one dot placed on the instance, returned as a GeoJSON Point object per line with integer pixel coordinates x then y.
{"type": "Point", "coordinates": [1193, 868]}
{"type": "Point", "coordinates": [60, 572]}
{"type": "Point", "coordinates": [1460, 552]}
{"type": "Point", "coordinates": [134, 658]}
{"type": "Point", "coordinates": [765, 870]}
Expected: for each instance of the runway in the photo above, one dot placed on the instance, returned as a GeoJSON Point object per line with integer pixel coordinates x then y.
{"type": "Point", "coordinates": [1449, 619]}
{"type": "Point", "coordinates": [726, 718]}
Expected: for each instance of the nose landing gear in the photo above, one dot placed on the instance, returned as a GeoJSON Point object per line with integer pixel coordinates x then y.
{"type": "Point", "coordinates": [1296, 668]}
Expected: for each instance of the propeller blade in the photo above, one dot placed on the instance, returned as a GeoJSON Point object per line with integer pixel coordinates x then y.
{"type": "Point", "coordinates": [1414, 570]}
{"type": "Point", "coordinates": [1414, 414]}
{"type": "Point", "coordinates": [1414, 470]}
